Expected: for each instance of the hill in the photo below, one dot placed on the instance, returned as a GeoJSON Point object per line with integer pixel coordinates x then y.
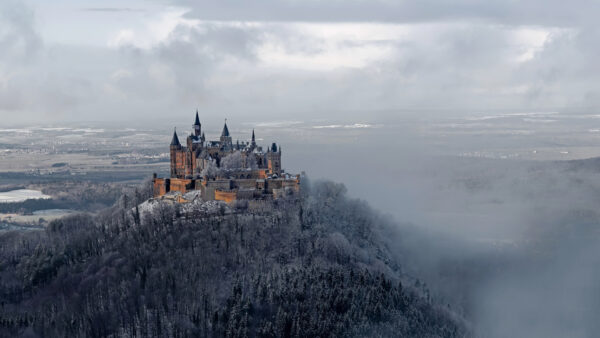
{"type": "Point", "coordinates": [317, 266]}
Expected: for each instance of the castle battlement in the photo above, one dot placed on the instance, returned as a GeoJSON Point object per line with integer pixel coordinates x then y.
{"type": "Point", "coordinates": [223, 170]}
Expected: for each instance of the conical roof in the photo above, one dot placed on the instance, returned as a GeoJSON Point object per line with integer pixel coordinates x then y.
{"type": "Point", "coordinates": [197, 123]}
{"type": "Point", "coordinates": [175, 140]}
{"type": "Point", "coordinates": [225, 130]}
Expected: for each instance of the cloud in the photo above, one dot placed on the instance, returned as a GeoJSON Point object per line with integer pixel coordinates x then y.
{"type": "Point", "coordinates": [113, 9]}
{"type": "Point", "coordinates": [488, 58]}
{"type": "Point", "coordinates": [18, 39]}
{"type": "Point", "coordinates": [536, 12]}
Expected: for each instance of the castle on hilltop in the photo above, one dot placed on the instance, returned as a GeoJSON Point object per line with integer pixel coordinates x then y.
{"type": "Point", "coordinates": [223, 170]}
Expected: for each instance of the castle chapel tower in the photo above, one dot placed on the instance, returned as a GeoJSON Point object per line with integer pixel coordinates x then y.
{"type": "Point", "coordinates": [274, 160]}
{"type": "Point", "coordinates": [226, 142]}
{"type": "Point", "coordinates": [197, 126]}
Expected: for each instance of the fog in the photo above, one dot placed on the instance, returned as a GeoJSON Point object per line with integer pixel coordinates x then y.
{"type": "Point", "coordinates": [497, 214]}
{"type": "Point", "coordinates": [502, 225]}
{"type": "Point", "coordinates": [468, 123]}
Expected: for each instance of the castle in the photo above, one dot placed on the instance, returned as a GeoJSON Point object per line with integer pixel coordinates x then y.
{"type": "Point", "coordinates": [225, 171]}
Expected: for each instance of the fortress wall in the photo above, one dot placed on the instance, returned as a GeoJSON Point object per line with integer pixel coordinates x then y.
{"type": "Point", "coordinates": [181, 185]}
{"type": "Point", "coordinates": [246, 183]}
{"type": "Point", "coordinates": [245, 194]}
{"type": "Point", "coordinates": [219, 184]}
{"type": "Point", "coordinates": [225, 196]}
{"type": "Point", "coordinates": [293, 184]}
{"type": "Point", "coordinates": [208, 193]}
{"type": "Point", "coordinates": [159, 186]}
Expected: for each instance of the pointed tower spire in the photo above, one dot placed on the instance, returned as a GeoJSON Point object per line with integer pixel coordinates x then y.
{"type": "Point", "coordinates": [197, 123]}
{"type": "Point", "coordinates": [197, 126]}
{"type": "Point", "coordinates": [225, 132]}
{"type": "Point", "coordinates": [253, 138]}
{"type": "Point", "coordinates": [175, 140]}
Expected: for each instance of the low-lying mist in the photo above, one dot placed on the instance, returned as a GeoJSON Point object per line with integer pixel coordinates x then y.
{"type": "Point", "coordinates": [512, 243]}
{"type": "Point", "coordinates": [495, 215]}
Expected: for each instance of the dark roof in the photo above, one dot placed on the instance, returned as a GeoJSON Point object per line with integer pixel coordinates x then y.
{"type": "Point", "coordinates": [274, 147]}
{"type": "Point", "coordinates": [225, 130]}
{"type": "Point", "coordinates": [175, 140]}
{"type": "Point", "coordinates": [197, 123]}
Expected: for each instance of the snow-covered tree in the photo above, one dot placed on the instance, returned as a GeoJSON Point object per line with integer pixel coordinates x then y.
{"type": "Point", "coordinates": [234, 160]}
{"type": "Point", "coordinates": [211, 170]}
{"type": "Point", "coordinates": [251, 161]}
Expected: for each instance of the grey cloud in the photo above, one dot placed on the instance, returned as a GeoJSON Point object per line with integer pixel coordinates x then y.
{"type": "Point", "coordinates": [553, 13]}
{"type": "Point", "coordinates": [81, 82]}
{"type": "Point", "coordinates": [18, 39]}
{"type": "Point", "coordinates": [113, 9]}
{"type": "Point", "coordinates": [455, 67]}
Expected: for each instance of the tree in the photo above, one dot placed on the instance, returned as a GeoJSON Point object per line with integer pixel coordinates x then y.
{"type": "Point", "coordinates": [251, 162]}
{"type": "Point", "coordinates": [210, 170]}
{"type": "Point", "coordinates": [234, 160]}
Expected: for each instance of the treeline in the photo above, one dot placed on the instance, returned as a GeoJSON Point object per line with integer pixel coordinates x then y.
{"type": "Point", "coordinates": [81, 196]}
{"type": "Point", "coordinates": [31, 205]}
{"type": "Point", "coordinates": [314, 267]}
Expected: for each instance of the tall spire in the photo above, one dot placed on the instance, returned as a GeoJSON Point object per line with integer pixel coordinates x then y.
{"type": "Point", "coordinates": [225, 130]}
{"type": "Point", "coordinates": [175, 140]}
{"type": "Point", "coordinates": [253, 138]}
{"type": "Point", "coordinates": [197, 123]}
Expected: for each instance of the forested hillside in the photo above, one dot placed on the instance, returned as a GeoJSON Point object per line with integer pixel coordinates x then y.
{"type": "Point", "coordinates": [313, 267]}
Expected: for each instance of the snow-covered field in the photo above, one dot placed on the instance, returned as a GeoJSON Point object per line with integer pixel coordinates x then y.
{"type": "Point", "coordinates": [21, 195]}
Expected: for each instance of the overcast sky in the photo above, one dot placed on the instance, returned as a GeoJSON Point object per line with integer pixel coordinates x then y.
{"type": "Point", "coordinates": [68, 60]}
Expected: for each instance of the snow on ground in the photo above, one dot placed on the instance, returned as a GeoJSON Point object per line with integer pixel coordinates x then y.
{"type": "Point", "coordinates": [193, 195]}
{"type": "Point", "coordinates": [21, 195]}
{"type": "Point", "coordinates": [205, 207]}
{"type": "Point", "coordinates": [196, 204]}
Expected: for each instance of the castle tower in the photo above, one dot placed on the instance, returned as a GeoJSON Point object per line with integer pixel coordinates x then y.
{"type": "Point", "coordinates": [226, 142]}
{"type": "Point", "coordinates": [274, 160]}
{"type": "Point", "coordinates": [197, 126]}
{"type": "Point", "coordinates": [175, 148]}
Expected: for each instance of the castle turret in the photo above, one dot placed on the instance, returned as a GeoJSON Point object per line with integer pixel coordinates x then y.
{"type": "Point", "coordinates": [174, 148]}
{"type": "Point", "coordinates": [197, 126]}
{"type": "Point", "coordinates": [175, 140]}
{"type": "Point", "coordinates": [225, 137]}
{"type": "Point", "coordinates": [274, 160]}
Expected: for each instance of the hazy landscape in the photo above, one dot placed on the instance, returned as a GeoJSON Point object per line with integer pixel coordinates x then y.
{"type": "Point", "coordinates": [448, 161]}
{"type": "Point", "coordinates": [476, 215]}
